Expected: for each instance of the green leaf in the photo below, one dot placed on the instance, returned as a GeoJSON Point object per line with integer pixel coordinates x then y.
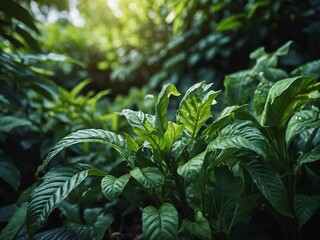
{"type": "Point", "coordinates": [301, 121]}
{"type": "Point", "coordinates": [7, 123]}
{"type": "Point", "coordinates": [200, 228]}
{"type": "Point", "coordinates": [148, 177]}
{"type": "Point", "coordinates": [286, 97]}
{"type": "Point", "coordinates": [190, 170]}
{"type": "Point", "coordinates": [9, 173]}
{"type": "Point", "coordinates": [226, 117]}
{"type": "Point", "coordinates": [311, 69]}
{"type": "Point", "coordinates": [172, 133]}
{"type": "Point", "coordinates": [57, 185]}
{"type": "Point", "coordinates": [143, 125]}
{"type": "Point", "coordinates": [269, 183]}
{"type": "Point", "coordinates": [305, 207]}
{"type": "Point", "coordinates": [90, 135]}
{"type": "Point", "coordinates": [57, 234]}
{"type": "Point", "coordinates": [195, 107]}
{"type": "Point", "coordinates": [161, 121]}
{"type": "Point", "coordinates": [112, 186]}
{"type": "Point", "coordinates": [4, 100]}
{"type": "Point", "coordinates": [231, 22]}
{"type": "Point", "coordinates": [309, 157]}
{"type": "Point", "coordinates": [242, 136]}
{"type": "Point", "coordinates": [16, 223]}
{"type": "Point", "coordinates": [160, 224]}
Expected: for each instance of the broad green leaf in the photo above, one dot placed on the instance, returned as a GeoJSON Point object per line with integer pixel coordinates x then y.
{"type": "Point", "coordinates": [305, 207]}
{"type": "Point", "coordinates": [190, 170]}
{"type": "Point", "coordinates": [131, 143]}
{"type": "Point", "coordinates": [143, 125]}
{"type": "Point", "coordinates": [148, 177]}
{"type": "Point", "coordinates": [57, 185]}
{"type": "Point", "coordinates": [226, 117]}
{"type": "Point", "coordinates": [260, 97]}
{"type": "Point", "coordinates": [160, 224]}
{"type": "Point", "coordinates": [286, 97]}
{"type": "Point", "coordinates": [300, 121]}
{"type": "Point", "coordinates": [16, 223]}
{"type": "Point", "coordinates": [112, 186]}
{"type": "Point", "coordinates": [309, 157]}
{"type": "Point", "coordinates": [200, 228]}
{"type": "Point", "coordinates": [172, 133]}
{"type": "Point", "coordinates": [161, 121]}
{"type": "Point", "coordinates": [90, 135]}
{"type": "Point", "coordinates": [195, 107]}
{"type": "Point", "coordinates": [7, 123]}
{"type": "Point", "coordinates": [227, 190]}
{"type": "Point", "coordinates": [242, 136]}
{"type": "Point", "coordinates": [96, 222]}
{"type": "Point", "coordinates": [57, 234]}
{"type": "Point", "coordinates": [181, 144]}
{"type": "Point", "coordinates": [269, 183]}
{"type": "Point", "coordinates": [9, 173]}
{"type": "Point", "coordinates": [6, 212]}
{"type": "Point", "coordinates": [311, 69]}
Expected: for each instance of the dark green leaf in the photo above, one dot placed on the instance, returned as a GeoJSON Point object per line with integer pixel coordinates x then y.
{"type": "Point", "coordinates": [200, 228]}
{"type": "Point", "coordinates": [190, 170]}
{"type": "Point", "coordinates": [57, 185]}
{"type": "Point", "coordinates": [305, 207]}
{"type": "Point", "coordinates": [7, 123]}
{"type": "Point", "coordinates": [9, 173]}
{"type": "Point", "coordinates": [148, 177]}
{"type": "Point", "coordinates": [16, 223]}
{"type": "Point", "coordinates": [269, 183]}
{"type": "Point", "coordinates": [160, 224]}
{"type": "Point", "coordinates": [112, 186]}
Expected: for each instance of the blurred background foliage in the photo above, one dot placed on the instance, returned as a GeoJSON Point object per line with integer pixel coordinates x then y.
{"type": "Point", "coordinates": [69, 65]}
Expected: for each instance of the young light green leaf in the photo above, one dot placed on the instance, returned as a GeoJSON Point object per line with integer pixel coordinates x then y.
{"type": "Point", "coordinates": [161, 121]}
{"type": "Point", "coordinates": [148, 177]}
{"type": "Point", "coordinates": [200, 228]}
{"type": "Point", "coordinates": [16, 223]}
{"type": "Point", "coordinates": [300, 121]}
{"type": "Point", "coordinates": [160, 224]}
{"type": "Point", "coordinates": [286, 97]}
{"type": "Point", "coordinates": [243, 136]}
{"type": "Point", "coordinates": [112, 186]}
{"type": "Point", "coordinates": [195, 107]}
{"type": "Point", "coordinates": [7, 123]}
{"type": "Point", "coordinates": [190, 170]}
{"type": "Point", "coordinates": [90, 135]}
{"type": "Point", "coordinates": [172, 133]}
{"type": "Point", "coordinates": [57, 185]}
{"type": "Point", "coordinates": [143, 125]}
{"type": "Point", "coordinates": [305, 207]}
{"type": "Point", "coordinates": [269, 183]}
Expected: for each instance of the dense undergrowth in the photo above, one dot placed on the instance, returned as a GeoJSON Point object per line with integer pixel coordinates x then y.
{"type": "Point", "coordinates": [237, 163]}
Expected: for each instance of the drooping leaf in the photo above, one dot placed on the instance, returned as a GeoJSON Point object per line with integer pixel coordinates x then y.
{"type": "Point", "coordinates": [16, 223]}
{"type": "Point", "coordinates": [269, 183]}
{"type": "Point", "coordinates": [90, 135]}
{"type": "Point", "coordinates": [57, 185]}
{"type": "Point", "coordinates": [243, 136]}
{"type": "Point", "coordinates": [148, 177]}
{"type": "Point", "coordinates": [195, 107]}
{"type": "Point", "coordinates": [305, 207]}
{"type": "Point", "coordinates": [9, 173]}
{"type": "Point", "coordinates": [160, 224]}
{"type": "Point", "coordinates": [300, 121]}
{"type": "Point", "coordinates": [112, 186]}
{"type": "Point", "coordinates": [7, 123]}
{"type": "Point", "coordinates": [190, 170]}
{"type": "Point", "coordinates": [286, 97]}
{"type": "Point", "coordinates": [161, 121]}
{"type": "Point", "coordinates": [200, 228]}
